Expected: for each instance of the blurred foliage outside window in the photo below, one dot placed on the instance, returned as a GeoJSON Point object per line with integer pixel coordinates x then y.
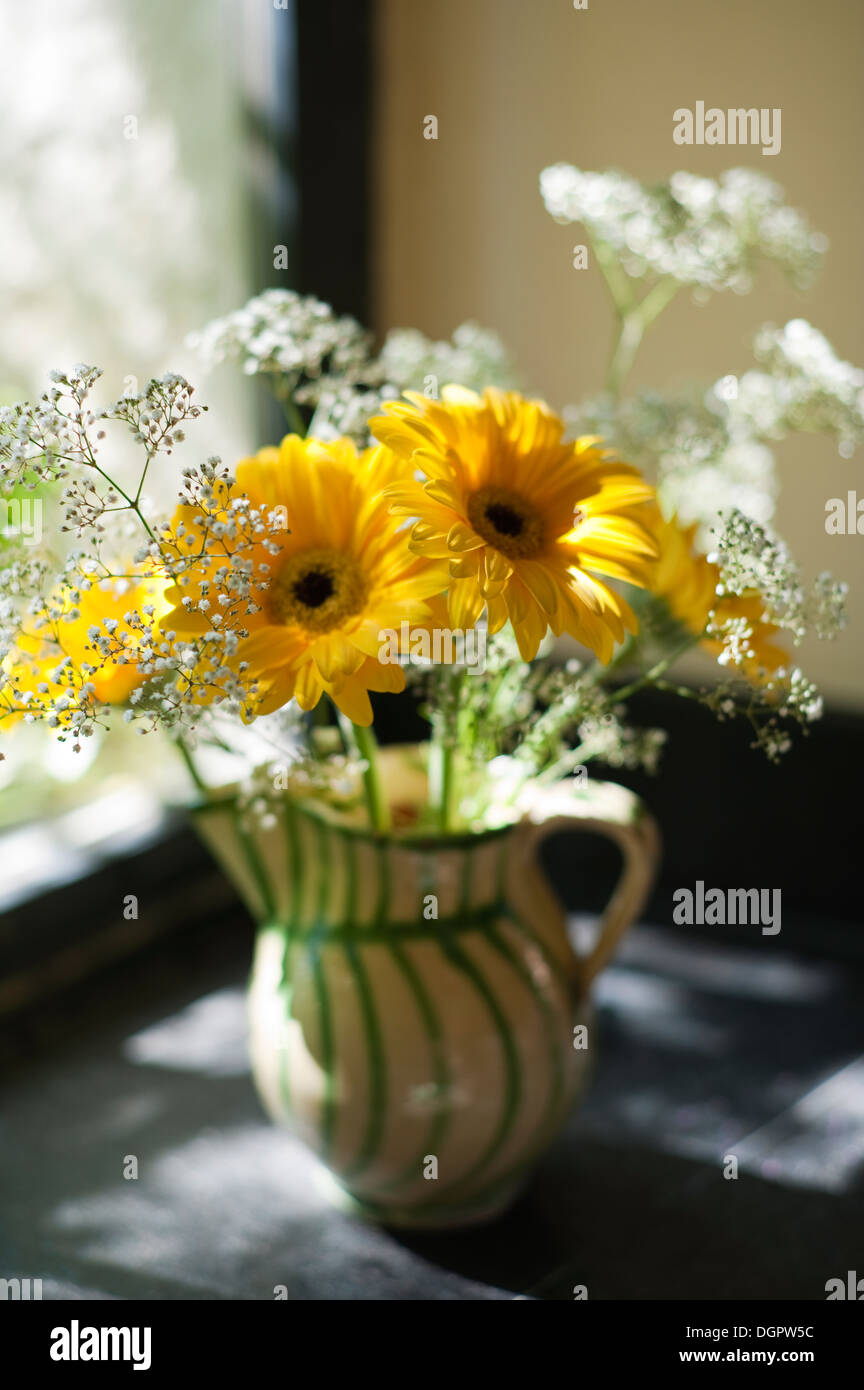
{"type": "Point", "coordinates": [122, 228]}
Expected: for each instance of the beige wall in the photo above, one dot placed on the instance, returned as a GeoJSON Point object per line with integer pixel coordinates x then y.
{"type": "Point", "coordinates": [516, 85]}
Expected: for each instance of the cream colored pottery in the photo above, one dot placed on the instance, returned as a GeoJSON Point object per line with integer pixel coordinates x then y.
{"type": "Point", "coordinates": [416, 1010]}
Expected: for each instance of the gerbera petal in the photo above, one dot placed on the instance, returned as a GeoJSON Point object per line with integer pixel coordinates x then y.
{"type": "Point", "coordinates": [497, 566]}
{"type": "Point", "coordinates": [539, 581]}
{"type": "Point", "coordinates": [269, 648]}
{"type": "Point", "coordinates": [529, 621]}
{"type": "Point", "coordinates": [496, 612]}
{"type": "Point", "coordinates": [465, 567]}
{"type": "Point", "coordinates": [613, 535]}
{"type": "Point", "coordinates": [385, 677]}
{"type": "Point", "coordinates": [465, 604]}
{"type": "Point", "coordinates": [462, 537]}
{"type": "Point", "coordinates": [276, 693]}
{"type": "Point", "coordinates": [443, 492]}
{"type": "Point", "coordinates": [453, 394]}
{"type": "Point", "coordinates": [336, 657]}
{"type": "Point", "coordinates": [308, 685]}
{"type": "Point", "coordinates": [353, 699]}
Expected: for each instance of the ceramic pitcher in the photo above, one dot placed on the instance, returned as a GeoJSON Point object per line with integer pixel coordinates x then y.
{"type": "Point", "coordinates": [416, 1009]}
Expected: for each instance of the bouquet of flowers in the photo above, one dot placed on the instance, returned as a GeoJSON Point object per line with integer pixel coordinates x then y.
{"type": "Point", "coordinates": [425, 527]}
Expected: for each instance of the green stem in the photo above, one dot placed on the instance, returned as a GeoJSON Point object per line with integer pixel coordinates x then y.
{"type": "Point", "coordinates": [183, 750]}
{"type": "Point", "coordinates": [442, 783]}
{"type": "Point", "coordinates": [633, 317]}
{"type": "Point", "coordinates": [141, 481]}
{"type": "Point", "coordinates": [365, 744]}
{"type": "Point", "coordinates": [656, 671]}
{"type": "Point", "coordinates": [685, 692]}
{"type": "Point", "coordinates": [454, 731]}
{"type": "Point", "coordinates": [624, 350]}
{"type": "Point", "coordinates": [133, 502]}
{"type": "Point", "coordinates": [657, 298]}
{"type": "Point", "coordinates": [617, 281]}
{"type": "Point", "coordinates": [295, 419]}
{"type": "Point", "coordinates": [293, 414]}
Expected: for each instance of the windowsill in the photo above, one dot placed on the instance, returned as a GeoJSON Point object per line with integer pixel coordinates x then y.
{"type": "Point", "coordinates": [47, 854]}
{"type": "Point", "coordinates": [700, 1056]}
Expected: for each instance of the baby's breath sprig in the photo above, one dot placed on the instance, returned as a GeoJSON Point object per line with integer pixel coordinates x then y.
{"type": "Point", "coordinates": [62, 436]}
{"type": "Point", "coordinates": [711, 450]}
{"type": "Point", "coordinates": [295, 342]}
{"type": "Point", "coordinates": [41, 613]}
{"type": "Point", "coordinates": [408, 361]}
{"type": "Point", "coordinates": [323, 370]}
{"type": "Point", "coordinates": [649, 241]}
{"type": "Point", "coordinates": [770, 708]}
{"type": "Point", "coordinates": [805, 388]}
{"type": "Point", "coordinates": [751, 559]}
{"type": "Point", "coordinates": [706, 233]}
{"type": "Point", "coordinates": [213, 552]}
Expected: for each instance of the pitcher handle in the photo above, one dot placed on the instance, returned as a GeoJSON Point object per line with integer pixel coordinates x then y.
{"type": "Point", "coordinates": [606, 809]}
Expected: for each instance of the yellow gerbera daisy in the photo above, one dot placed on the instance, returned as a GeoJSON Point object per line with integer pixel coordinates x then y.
{"type": "Point", "coordinates": [342, 574]}
{"type": "Point", "coordinates": [49, 657]}
{"type": "Point", "coordinates": [687, 582]}
{"type": "Point", "coordinates": [525, 520]}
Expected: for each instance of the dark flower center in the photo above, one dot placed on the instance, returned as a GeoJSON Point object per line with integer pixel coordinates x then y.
{"type": "Point", "coordinates": [504, 519]}
{"type": "Point", "coordinates": [318, 590]}
{"type": "Point", "coordinates": [507, 521]}
{"type": "Point", "coordinates": [314, 588]}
